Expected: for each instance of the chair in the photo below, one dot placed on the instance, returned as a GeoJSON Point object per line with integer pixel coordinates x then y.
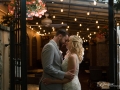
{"type": "Point", "coordinates": [94, 76]}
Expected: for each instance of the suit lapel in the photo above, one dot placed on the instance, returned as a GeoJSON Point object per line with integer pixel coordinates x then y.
{"type": "Point", "coordinates": [55, 44]}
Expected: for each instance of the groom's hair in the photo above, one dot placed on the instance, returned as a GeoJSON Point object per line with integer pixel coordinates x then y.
{"type": "Point", "coordinates": [63, 32]}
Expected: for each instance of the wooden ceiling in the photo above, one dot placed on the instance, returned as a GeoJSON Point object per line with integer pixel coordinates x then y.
{"type": "Point", "coordinates": [77, 9]}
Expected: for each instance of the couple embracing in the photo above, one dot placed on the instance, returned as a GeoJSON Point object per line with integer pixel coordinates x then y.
{"type": "Point", "coordinates": [59, 74]}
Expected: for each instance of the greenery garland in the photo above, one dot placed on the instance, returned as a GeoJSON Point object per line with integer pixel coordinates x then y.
{"type": "Point", "coordinates": [6, 20]}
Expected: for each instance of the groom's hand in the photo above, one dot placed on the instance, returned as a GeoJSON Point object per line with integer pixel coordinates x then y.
{"type": "Point", "coordinates": [69, 74]}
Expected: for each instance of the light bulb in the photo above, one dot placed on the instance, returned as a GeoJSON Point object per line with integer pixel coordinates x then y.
{"type": "Point", "coordinates": [98, 26]}
{"type": "Point", "coordinates": [61, 10]}
{"type": "Point", "coordinates": [43, 30]}
{"type": "Point", "coordinates": [95, 3]}
{"type": "Point", "coordinates": [80, 25]}
{"type": "Point", "coordinates": [117, 24]}
{"type": "Point", "coordinates": [96, 21]}
{"type": "Point", "coordinates": [54, 16]}
{"type": "Point", "coordinates": [88, 13]}
{"type": "Point", "coordinates": [75, 19]}
{"type": "Point", "coordinates": [67, 29]}
{"type": "Point", "coordinates": [94, 32]}
{"type": "Point", "coordinates": [37, 23]}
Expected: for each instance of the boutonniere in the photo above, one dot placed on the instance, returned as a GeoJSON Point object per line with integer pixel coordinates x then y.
{"type": "Point", "coordinates": [61, 52]}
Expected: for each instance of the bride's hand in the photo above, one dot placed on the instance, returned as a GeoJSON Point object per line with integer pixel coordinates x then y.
{"type": "Point", "coordinates": [69, 74]}
{"type": "Point", "coordinates": [47, 81]}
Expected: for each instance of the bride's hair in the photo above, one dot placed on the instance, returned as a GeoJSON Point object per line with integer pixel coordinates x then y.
{"type": "Point", "coordinates": [77, 46]}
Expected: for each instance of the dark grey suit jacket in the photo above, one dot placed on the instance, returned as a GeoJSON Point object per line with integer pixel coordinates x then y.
{"type": "Point", "coordinates": [51, 62]}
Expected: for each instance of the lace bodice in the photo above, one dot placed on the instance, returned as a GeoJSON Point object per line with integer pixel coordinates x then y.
{"type": "Point", "coordinates": [65, 64]}
{"type": "Point", "coordinates": [74, 84]}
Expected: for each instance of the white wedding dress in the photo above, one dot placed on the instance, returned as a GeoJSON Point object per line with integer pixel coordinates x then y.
{"type": "Point", "coordinates": [74, 84]}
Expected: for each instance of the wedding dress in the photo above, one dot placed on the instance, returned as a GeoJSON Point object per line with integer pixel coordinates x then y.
{"type": "Point", "coordinates": [74, 84]}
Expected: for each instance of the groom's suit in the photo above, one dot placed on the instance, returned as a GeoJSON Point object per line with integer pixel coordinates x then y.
{"type": "Point", "coordinates": [51, 62]}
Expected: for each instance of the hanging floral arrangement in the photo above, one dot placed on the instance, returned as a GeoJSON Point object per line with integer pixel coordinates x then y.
{"type": "Point", "coordinates": [117, 5]}
{"type": "Point", "coordinates": [33, 8]}
{"type": "Point", "coordinates": [102, 35]}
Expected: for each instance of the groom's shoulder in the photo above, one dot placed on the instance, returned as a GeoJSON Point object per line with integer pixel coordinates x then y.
{"type": "Point", "coordinates": [48, 45]}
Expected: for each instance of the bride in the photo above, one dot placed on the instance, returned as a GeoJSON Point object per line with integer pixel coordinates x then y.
{"type": "Point", "coordinates": [73, 58]}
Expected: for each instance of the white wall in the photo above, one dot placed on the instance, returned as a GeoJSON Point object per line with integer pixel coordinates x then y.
{"type": "Point", "coordinates": [4, 36]}
{"type": "Point", "coordinates": [118, 56]}
{"type": "Point", "coordinates": [4, 52]}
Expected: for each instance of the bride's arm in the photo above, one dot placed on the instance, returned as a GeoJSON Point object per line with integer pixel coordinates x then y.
{"type": "Point", "coordinates": [72, 63]}
{"type": "Point", "coordinates": [71, 66]}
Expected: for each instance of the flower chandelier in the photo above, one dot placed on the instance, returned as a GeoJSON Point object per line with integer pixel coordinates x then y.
{"type": "Point", "coordinates": [33, 8]}
{"type": "Point", "coordinates": [103, 34]}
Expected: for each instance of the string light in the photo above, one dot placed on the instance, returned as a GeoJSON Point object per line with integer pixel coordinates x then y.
{"type": "Point", "coordinates": [62, 23]}
{"type": "Point", "coordinates": [61, 10]}
{"type": "Point", "coordinates": [95, 3]}
{"type": "Point", "coordinates": [66, 29]}
{"type": "Point", "coordinates": [80, 25]}
{"type": "Point", "coordinates": [94, 32]}
{"type": "Point", "coordinates": [117, 24]}
{"type": "Point", "coordinates": [54, 16]}
{"type": "Point", "coordinates": [96, 21]}
{"type": "Point", "coordinates": [87, 29]}
{"type": "Point", "coordinates": [88, 13]}
{"type": "Point", "coordinates": [36, 23]}
{"type": "Point", "coordinates": [98, 26]}
{"type": "Point", "coordinates": [43, 30]}
{"type": "Point", "coordinates": [48, 32]}
{"type": "Point", "coordinates": [67, 26]}
{"type": "Point", "coordinates": [75, 19]}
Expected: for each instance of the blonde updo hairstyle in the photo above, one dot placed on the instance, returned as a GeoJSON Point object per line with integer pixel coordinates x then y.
{"type": "Point", "coordinates": [77, 46]}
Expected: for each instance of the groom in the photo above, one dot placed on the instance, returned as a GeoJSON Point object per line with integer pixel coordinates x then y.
{"type": "Point", "coordinates": [51, 61]}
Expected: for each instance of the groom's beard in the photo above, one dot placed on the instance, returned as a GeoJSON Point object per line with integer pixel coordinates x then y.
{"type": "Point", "coordinates": [60, 44]}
